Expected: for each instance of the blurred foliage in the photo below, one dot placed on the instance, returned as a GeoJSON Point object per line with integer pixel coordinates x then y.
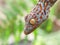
{"type": "Point", "coordinates": [15, 11]}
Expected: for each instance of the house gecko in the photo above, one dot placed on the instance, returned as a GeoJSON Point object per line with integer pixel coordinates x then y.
{"type": "Point", "coordinates": [37, 15]}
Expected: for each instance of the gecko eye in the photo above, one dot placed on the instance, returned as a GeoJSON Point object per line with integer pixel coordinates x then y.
{"type": "Point", "coordinates": [32, 21]}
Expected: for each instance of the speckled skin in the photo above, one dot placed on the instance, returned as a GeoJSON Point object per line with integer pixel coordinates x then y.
{"type": "Point", "coordinates": [39, 13]}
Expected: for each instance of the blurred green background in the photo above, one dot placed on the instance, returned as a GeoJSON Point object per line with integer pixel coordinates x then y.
{"type": "Point", "coordinates": [12, 14]}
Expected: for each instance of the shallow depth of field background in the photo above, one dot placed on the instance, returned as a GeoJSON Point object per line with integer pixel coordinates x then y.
{"type": "Point", "coordinates": [12, 14]}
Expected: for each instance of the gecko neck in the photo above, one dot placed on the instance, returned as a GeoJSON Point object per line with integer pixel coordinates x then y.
{"type": "Point", "coordinates": [50, 2]}
{"type": "Point", "coordinates": [45, 6]}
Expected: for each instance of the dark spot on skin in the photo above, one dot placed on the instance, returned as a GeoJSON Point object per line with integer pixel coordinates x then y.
{"type": "Point", "coordinates": [44, 12]}
{"type": "Point", "coordinates": [26, 18]}
{"type": "Point", "coordinates": [38, 13]}
{"type": "Point", "coordinates": [40, 17]}
{"type": "Point", "coordinates": [34, 16]}
{"type": "Point", "coordinates": [41, 7]}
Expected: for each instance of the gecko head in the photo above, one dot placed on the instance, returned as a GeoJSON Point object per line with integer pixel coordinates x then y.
{"type": "Point", "coordinates": [30, 24]}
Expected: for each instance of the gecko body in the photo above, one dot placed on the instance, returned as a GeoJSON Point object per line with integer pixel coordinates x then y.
{"type": "Point", "coordinates": [38, 15]}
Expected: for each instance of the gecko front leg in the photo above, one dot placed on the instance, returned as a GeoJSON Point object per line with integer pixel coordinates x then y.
{"type": "Point", "coordinates": [38, 15]}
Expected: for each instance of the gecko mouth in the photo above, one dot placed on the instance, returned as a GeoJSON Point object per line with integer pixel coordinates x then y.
{"type": "Point", "coordinates": [26, 33]}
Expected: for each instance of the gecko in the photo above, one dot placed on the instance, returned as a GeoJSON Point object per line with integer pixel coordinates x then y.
{"type": "Point", "coordinates": [37, 15]}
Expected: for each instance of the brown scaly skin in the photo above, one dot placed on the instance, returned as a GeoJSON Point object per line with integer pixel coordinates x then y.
{"type": "Point", "coordinates": [38, 15]}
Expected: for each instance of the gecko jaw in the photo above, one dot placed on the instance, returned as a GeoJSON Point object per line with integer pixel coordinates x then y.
{"type": "Point", "coordinates": [26, 33]}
